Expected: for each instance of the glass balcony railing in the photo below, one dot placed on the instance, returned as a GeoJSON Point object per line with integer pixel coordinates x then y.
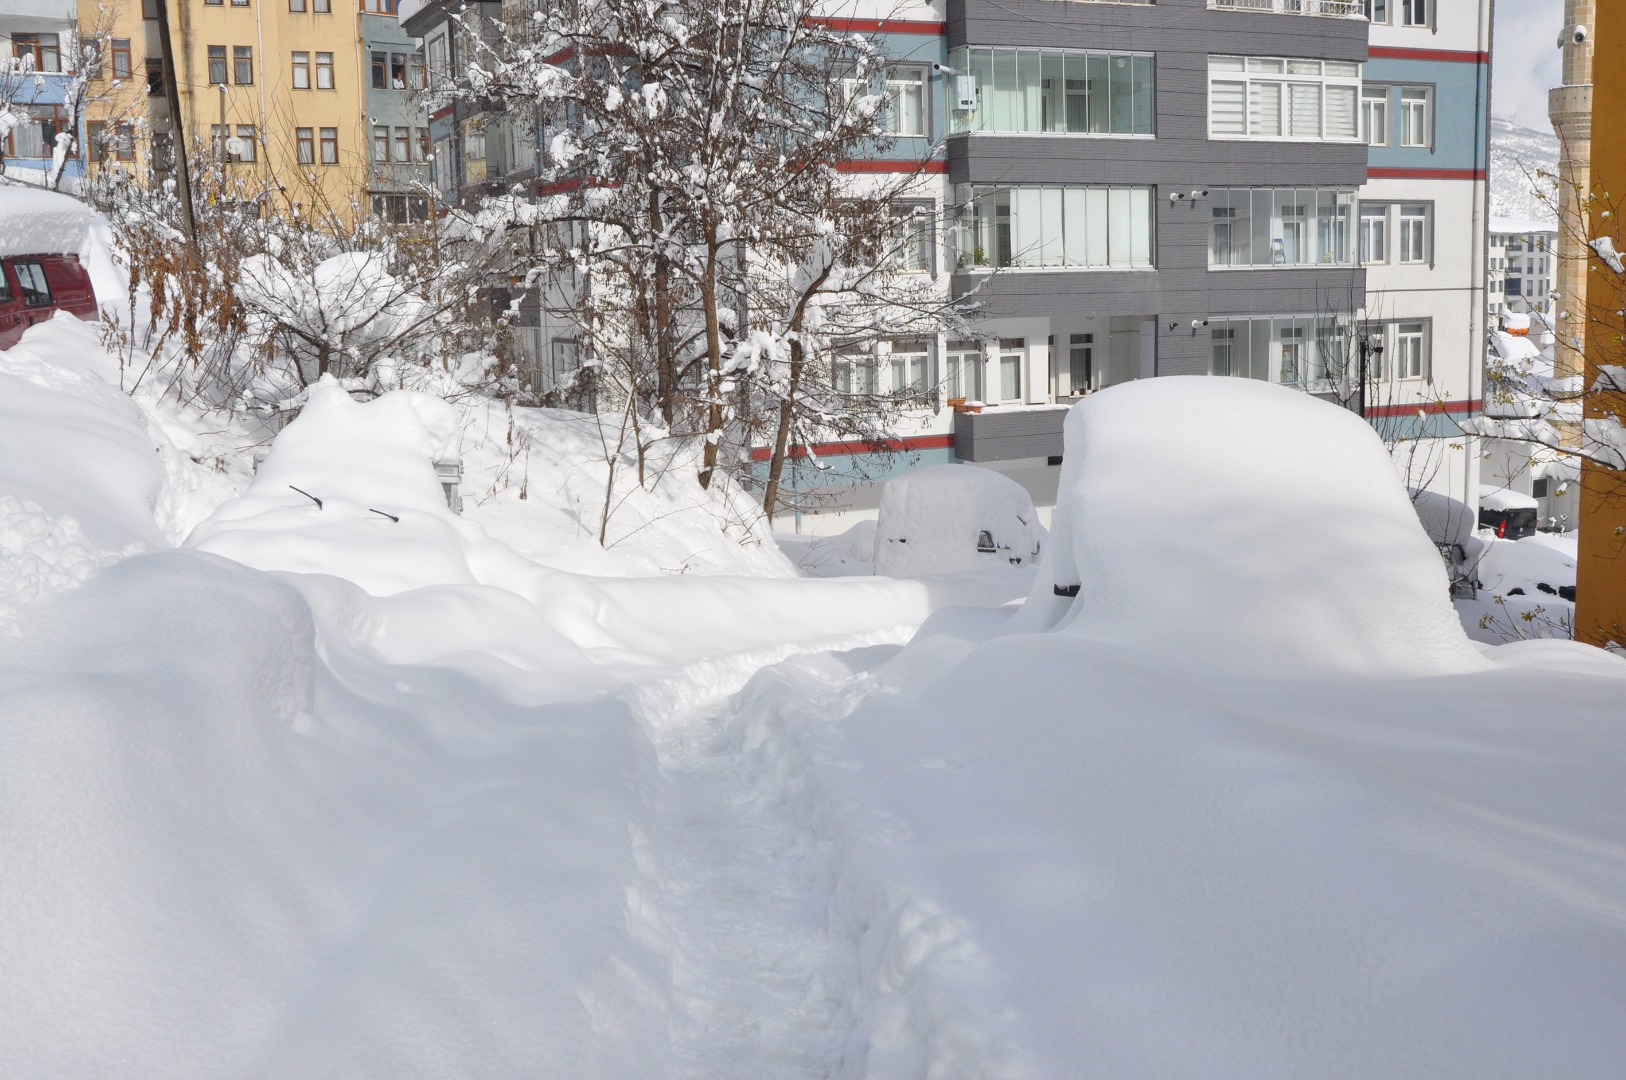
{"type": "Point", "coordinates": [1342, 9]}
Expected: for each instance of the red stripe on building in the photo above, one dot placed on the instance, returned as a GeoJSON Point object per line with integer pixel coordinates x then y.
{"type": "Point", "coordinates": [1376, 173]}
{"type": "Point", "coordinates": [1448, 56]}
{"type": "Point", "coordinates": [441, 114]}
{"type": "Point", "coordinates": [892, 166]}
{"type": "Point", "coordinates": [1433, 408]}
{"type": "Point", "coordinates": [837, 449]}
{"type": "Point", "coordinates": [880, 26]}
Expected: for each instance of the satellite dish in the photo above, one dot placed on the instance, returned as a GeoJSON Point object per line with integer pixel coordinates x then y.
{"type": "Point", "coordinates": [236, 146]}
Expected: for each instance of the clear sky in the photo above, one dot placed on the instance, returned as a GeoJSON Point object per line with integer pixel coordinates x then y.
{"type": "Point", "coordinates": [1525, 59]}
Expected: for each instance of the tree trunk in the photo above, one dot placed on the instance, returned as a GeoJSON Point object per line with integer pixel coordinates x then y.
{"type": "Point", "coordinates": [714, 362]}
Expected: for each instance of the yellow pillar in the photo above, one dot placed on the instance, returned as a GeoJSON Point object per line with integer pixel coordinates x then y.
{"type": "Point", "coordinates": [1600, 612]}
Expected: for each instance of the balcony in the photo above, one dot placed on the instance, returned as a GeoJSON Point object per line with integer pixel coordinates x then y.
{"type": "Point", "coordinates": [1337, 9]}
{"type": "Point", "coordinates": [1008, 433]}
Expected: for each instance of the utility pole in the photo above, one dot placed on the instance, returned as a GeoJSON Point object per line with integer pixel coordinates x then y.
{"type": "Point", "coordinates": [172, 93]}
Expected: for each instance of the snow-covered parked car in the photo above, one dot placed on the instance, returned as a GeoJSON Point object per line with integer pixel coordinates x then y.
{"type": "Point", "coordinates": [1451, 524]}
{"type": "Point", "coordinates": [1509, 514]}
{"type": "Point", "coordinates": [41, 233]}
{"type": "Point", "coordinates": [944, 519]}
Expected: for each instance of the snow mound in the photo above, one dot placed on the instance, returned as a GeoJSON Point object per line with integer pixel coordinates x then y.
{"type": "Point", "coordinates": [383, 521]}
{"type": "Point", "coordinates": [1242, 527]}
{"type": "Point", "coordinates": [945, 519]}
{"type": "Point", "coordinates": [78, 477]}
{"type": "Point", "coordinates": [34, 222]}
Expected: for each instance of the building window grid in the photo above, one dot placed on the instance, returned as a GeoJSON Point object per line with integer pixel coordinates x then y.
{"type": "Point", "coordinates": [1067, 92]}
{"type": "Point", "coordinates": [305, 145]}
{"type": "Point", "coordinates": [1283, 98]}
{"type": "Point", "coordinates": [324, 71]}
{"type": "Point", "coordinates": [1034, 227]}
{"type": "Point", "coordinates": [242, 64]}
{"type": "Point", "coordinates": [217, 64]}
{"type": "Point", "coordinates": [302, 71]}
{"type": "Point", "coordinates": [1281, 227]}
{"type": "Point", "coordinates": [330, 146]}
{"type": "Point", "coordinates": [1375, 115]}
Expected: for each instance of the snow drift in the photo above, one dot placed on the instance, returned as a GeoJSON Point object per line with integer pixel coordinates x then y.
{"type": "Point", "coordinates": [1242, 527]}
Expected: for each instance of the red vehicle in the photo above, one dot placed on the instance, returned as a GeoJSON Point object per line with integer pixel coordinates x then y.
{"type": "Point", "coordinates": [33, 287]}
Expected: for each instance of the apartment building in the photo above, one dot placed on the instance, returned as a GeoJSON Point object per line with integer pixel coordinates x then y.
{"type": "Point", "coordinates": [37, 64]}
{"type": "Point", "coordinates": [1134, 189]}
{"type": "Point", "coordinates": [1424, 222]}
{"type": "Point", "coordinates": [316, 102]}
{"type": "Point", "coordinates": [1519, 267]}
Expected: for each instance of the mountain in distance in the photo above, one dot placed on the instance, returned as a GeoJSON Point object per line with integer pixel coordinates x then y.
{"type": "Point", "coordinates": [1516, 155]}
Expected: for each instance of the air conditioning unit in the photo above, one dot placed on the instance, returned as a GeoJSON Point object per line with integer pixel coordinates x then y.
{"type": "Point", "coordinates": [965, 93]}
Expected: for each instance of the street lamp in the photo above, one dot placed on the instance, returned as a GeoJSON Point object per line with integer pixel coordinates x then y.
{"type": "Point", "coordinates": [1370, 345]}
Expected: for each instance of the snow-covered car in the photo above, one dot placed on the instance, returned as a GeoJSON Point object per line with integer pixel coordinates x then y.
{"type": "Point", "coordinates": [41, 236]}
{"type": "Point", "coordinates": [939, 519]}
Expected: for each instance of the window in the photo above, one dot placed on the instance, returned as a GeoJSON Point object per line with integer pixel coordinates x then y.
{"type": "Point", "coordinates": [378, 7]}
{"type": "Point", "coordinates": [853, 369]}
{"type": "Point", "coordinates": [423, 144]}
{"type": "Point", "coordinates": [964, 376]}
{"type": "Point", "coordinates": [1375, 115]}
{"type": "Point", "coordinates": [1416, 121]}
{"type": "Point", "coordinates": [242, 62]}
{"type": "Point", "coordinates": [149, 9]}
{"type": "Point", "coordinates": [90, 54]}
{"type": "Point", "coordinates": [912, 369]}
{"type": "Point", "coordinates": [381, 143]}
{"type": "Point", "coordinates": [305, 145]}
{"type": "Point", "coordinates": [155, 77]}
{"type": "Point", "coordinates": [1414, 232]}
{"type": "Point", "coordinates": [1055, 227]}
{"type": "Point", "coordinates": [296, 5]}
{"type": "Point", "coordinates": [417, 78]}
{"type": "Point", "coordinates": [244, 150]}
{"type": "Point", "coordinates": [439, 57]}
{"type": "Point", "coordinates": [380, 70]}
{"type": "Point", "coordinates": [1414, 12]}
{"type": "Point", "coordinates": [1012, 352]}
{"type": "Point", "coordinates": [1080, 364]}
{"type": "Point", "coordinates": [217, 64]}
{"type": "Point", "coordinates": [121, 58]}
{"type": "Point", "coordinates": [42, 49]}
{"type": "Point", "coordinates": [125, 144]}
{"type": "Point", "coordinates": [912, 238]}
{"type": "Point", "coordinates": [215, 3]}
{"type": "Point", "coordinates": [403, 144]}
{"type": "Point", "coordinates": [1374, 233]}
{"type": "Point", "coordinates": [1411, 350]}
{"type": "Point", "coordinates": [96, 146]}
{"type": "Point", "coordinates": [330, 146]}
{"type": "Point", "coordinates": [398, 71]}
{"type": "Point", "coordinates": [324, 71]}
{"type": "Point", "coordinates": [239, 3]}
{"type": "Point", "coordinates": [302, 71]}
{"type": "Point", "coordinates": [1281, 227]}
{"type": "Point", "coordinates": [1258, 97]}
{"type": "Point", "coordinates": [1377, 11]}
{"type": "Point", "coordinates": [1304, 351]}
{"type": "Point", "coordinates": [322, 7]}
{"type": "Point", "coordinates": [31, 281]}
{"type": "Point", "coordinates": [1052, 91]}
{"type": "Point", "coordinates": [906, 101]}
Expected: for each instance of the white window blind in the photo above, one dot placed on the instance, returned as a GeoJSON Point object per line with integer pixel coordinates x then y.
{"type": "Point", "coordinates": [1228, 108]}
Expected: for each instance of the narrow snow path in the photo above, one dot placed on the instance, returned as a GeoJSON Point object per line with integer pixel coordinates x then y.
{"type": "Point", "coordinates": [760, 984]}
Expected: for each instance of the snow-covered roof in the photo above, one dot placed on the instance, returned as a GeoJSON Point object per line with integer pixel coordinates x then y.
{"type": "Point", "coordinates": [1523, 225]}
{"type": "Point", "coordinates": [33, 222]}
{"type": "Point", "coordinates": [1501, 498]}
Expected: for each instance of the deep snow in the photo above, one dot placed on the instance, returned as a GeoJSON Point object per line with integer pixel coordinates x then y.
{"type": "Point", "coordinates": [323, 794]}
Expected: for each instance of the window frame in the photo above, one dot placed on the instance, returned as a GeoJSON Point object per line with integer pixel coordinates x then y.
{"type": "Point", "coordinates": [119, 47]}
{"type": "Point", "coordinates": [47, 57]}
{"type": "Point", "coordinates": [1364, 215]}
{"type": "Point", "coordinates": [989, 217]}
{"type": "Point", "coordinates": [219, 63]}
{"type": "Point", "coordinates": [1423, 96]}
{"type": "Point", "coordinates": [1085, 106]}
{"type": "Point", "coordinates": [1420, 223]}
{"type": "Point", "coordinates": [1285, 86]}
{"type": "Point", "coordinates": [892, 114]}
{"type": "Point", "coordinates": [328, 141]}
{"type": "Point", "coordinates": [1417, 14]}
{"type": "Point", "coordinates": [381, 144]}
{"type": "Point", "coordinates": [324, 70]}
{"type": "Point", "coordinates": [248, 136]}
{"type": "Point", "coordinates": [301, 65]}
{"type": "Point", "coordinates": [242, 60]}
{"type": "Point", "coordinates": [305, 145]}
{"type": "Point", "coordinates": [1377, 97]}
{"type": "Point", "coordinates": [905, 213]}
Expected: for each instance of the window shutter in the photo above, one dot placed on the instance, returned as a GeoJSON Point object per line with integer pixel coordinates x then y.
{"type": "Point", "coordinates": [1265, 110]}
{"type": "Point", "coordinates": [1227, 108]}
{"type": "Point", "coordinates": [1304, 110]}
{"type": "Point", "coordinates": [1341, 113]}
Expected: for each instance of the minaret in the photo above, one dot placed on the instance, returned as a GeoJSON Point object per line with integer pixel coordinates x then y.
{"type": "Point", "coordinates": [1570, 108]}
